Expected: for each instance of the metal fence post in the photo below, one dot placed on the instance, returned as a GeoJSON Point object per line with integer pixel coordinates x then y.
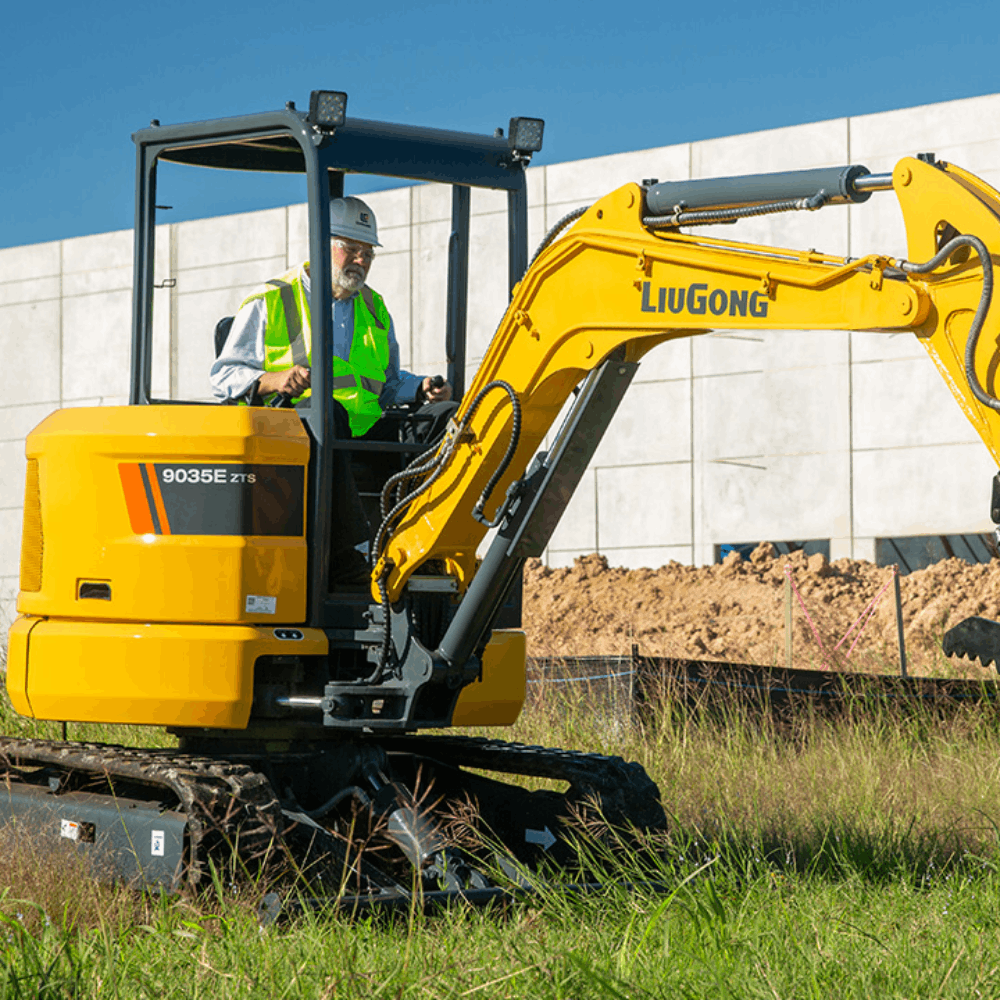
{"type": "Point", "coordinates": [900, 639]}
{"type": "Point", "coordinates": [788, 622]}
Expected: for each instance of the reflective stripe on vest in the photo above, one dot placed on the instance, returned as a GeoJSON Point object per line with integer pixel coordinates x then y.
{"type": "Point", "coordinates": [349, 382]}
{"type": "Point", "coordinates": [357, 382]}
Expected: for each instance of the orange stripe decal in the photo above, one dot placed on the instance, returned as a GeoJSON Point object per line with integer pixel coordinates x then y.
{"type": "Point", "coordinates": [161, 511]}
{"type": "Point", "coordinates": [135, 498]}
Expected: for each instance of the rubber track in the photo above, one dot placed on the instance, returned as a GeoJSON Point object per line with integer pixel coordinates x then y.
{"type": "Point", "coordinates": [226, 804]}
{"type": "Point", "coordinates": [625, 793]}
{"type": "Point", "coordinates": [232, 804]}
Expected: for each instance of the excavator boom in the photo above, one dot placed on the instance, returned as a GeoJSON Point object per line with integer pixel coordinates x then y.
{"type": "Point", "coordinates": [623, 280]}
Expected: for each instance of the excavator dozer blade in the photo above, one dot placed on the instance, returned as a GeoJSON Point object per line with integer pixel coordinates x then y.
{"type": "Point", "coordinates": [977, 638]}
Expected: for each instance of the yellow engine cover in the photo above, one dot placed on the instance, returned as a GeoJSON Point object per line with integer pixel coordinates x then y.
{"type": "Point", "coordinates": [142, 674]}
{"type": "Point", "coordinates": [166, 514]}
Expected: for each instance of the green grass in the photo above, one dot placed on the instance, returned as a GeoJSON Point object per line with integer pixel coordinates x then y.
{"type": "Point", "coordinates": [730, 930]}
{"type": "Point", "coordinates": [853, 856]}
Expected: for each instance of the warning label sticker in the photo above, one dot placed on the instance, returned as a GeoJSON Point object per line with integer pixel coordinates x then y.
{"type": "Point", "coordinates": [258, 604]}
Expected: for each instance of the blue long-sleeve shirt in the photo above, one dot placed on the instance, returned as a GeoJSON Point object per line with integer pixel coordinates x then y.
{"type": "Point", "coordinates": [241, 361]}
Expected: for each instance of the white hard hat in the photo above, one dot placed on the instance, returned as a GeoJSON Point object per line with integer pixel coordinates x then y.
{"type": "Point", "coordinates": [352, 219]}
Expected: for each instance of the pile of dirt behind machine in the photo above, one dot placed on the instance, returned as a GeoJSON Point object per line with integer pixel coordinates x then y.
{"type": "Point", "coordinates": [735, 611]}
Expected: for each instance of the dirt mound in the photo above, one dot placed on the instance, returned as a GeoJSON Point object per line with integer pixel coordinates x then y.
{"type": "Point", "coordinates": [734, 611]}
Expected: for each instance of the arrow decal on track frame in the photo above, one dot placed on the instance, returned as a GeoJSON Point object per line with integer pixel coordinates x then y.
{"type": "Point", "coordinates": [543, 838]}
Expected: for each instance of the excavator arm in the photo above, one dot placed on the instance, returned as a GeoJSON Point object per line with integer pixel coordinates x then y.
{"type": "Point", "coordinates": [620, 282]}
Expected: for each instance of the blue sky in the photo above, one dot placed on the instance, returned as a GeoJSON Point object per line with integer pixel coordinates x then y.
{"type": "Point", "coordinates": [79, 78]}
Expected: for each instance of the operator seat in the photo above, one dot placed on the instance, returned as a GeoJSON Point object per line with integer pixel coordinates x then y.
{"type": "Point", "coordinates": [222, 329]}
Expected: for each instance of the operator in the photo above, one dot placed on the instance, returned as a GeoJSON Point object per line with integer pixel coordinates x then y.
{"type": "Point", "coordinates": [268, 351]}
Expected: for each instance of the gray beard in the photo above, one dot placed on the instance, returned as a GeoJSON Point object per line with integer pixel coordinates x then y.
{"type": "Point", "coordinates": [346, 282]}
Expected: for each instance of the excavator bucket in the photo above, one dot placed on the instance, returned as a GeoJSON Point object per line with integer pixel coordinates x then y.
{"type": "Point", "coordinates": [976, 638]}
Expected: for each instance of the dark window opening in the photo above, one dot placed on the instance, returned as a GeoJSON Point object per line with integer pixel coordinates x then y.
{"type": "Point", "coordinates": [919, 551]}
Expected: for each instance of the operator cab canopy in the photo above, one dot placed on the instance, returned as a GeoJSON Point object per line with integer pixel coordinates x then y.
{"type": "Point", "coordinates": [324, 145]}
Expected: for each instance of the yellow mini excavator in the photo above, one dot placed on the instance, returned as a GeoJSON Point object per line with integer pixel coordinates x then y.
{"type": "Point", "coordinates": [175, 556]}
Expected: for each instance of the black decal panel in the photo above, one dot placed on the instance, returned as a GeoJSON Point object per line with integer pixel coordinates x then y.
{"type": "Point", "coordinates": [225, 499]}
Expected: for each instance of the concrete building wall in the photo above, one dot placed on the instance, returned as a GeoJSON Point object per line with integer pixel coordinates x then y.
{"type": "Point", "coordinates": [732, 436]}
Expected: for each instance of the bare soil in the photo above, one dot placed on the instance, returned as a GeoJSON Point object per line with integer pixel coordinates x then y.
{"type": "Point", "coordinates": [734, 612]}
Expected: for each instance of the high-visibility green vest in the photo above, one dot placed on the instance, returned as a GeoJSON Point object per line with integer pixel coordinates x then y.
{"type": "Point", "coordinates": [357, 382]}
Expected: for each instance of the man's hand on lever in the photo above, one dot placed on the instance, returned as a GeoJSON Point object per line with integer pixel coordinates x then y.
{"type": "Point", "coordinates": [291, 383]}
{"type": "Point", "coordinates": [435, 389]}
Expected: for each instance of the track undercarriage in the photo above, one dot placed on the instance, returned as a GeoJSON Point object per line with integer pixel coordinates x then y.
{"type": "Point", "coordinates": [358, 824]}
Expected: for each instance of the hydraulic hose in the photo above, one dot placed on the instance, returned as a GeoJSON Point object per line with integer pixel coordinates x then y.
{"type": "Point", "coordinates": [515, 437]}
{"type": "Point", "coordinates": [435, 465]}
{"type": "Point", "coordinates": [706, 216]}
{"type": "Point", "coordinates": [556, 230]}
{"type": "Point", "coordinates": [351, 790]}
{"type": "Point", "coordinates": [979, 319]}
{"type": "Point", "coordinates": [421, 466]}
